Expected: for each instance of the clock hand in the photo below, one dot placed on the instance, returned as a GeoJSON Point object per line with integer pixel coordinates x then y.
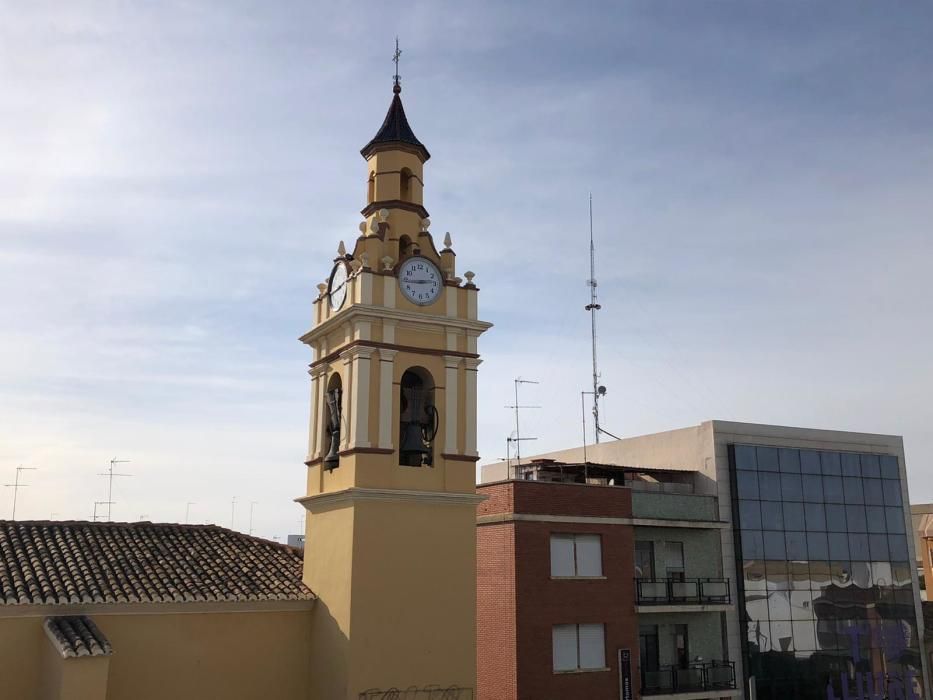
{"type": "Point", "coordinates": [419, 281]}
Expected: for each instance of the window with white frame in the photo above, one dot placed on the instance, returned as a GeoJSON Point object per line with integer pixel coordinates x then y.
{"type": "Point", "coordinates": [579, 647]}
{"type": "Point", "coordinates": [576, 555]}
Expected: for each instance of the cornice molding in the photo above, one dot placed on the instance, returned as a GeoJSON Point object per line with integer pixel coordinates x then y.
{"type": "Point", "coordinates": [356, 494]}
{"type": "Point", "coordinates": [370, 312]}
{"type": "Point", "coordinates": [373, 207]}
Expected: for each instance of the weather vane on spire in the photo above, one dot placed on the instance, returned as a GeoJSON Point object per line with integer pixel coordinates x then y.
{"type": "Point", "coordinates": [397, 88]}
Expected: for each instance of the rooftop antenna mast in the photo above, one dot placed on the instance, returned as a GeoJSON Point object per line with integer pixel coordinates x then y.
{"type": "Point", "coordinates": [110, 473]}
{"type": "Point", "coordinates": [518, 435]}
{"type": "Point", "coordinates": [593, 307]}
{"type": "Point", "coordinates": [16, 486]}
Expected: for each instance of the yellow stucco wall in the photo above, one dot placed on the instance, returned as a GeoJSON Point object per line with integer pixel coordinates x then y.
{"type": "Point", "coordinates": [198, 656]}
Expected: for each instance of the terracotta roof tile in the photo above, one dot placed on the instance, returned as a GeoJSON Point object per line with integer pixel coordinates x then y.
{"type": "Point", "coordinates": [57, 563]}
{"type": "Point", "coordinates": [77, 636]}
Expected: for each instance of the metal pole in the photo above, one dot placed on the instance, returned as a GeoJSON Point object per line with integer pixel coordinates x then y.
{"type": "Point", "coordinates": [16, 486]}
{"type": "Point", "coordinates": [188, 510]}
{"type": "Point", "coordinates": [251, 504]}
{"type": "Point", "coordinates": [232, 511]}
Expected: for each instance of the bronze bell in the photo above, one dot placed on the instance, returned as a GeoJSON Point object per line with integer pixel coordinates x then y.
{"type": "Point", "coordinates": [332, 460]}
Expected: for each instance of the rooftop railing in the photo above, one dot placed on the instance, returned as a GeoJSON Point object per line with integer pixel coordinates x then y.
{"type": "Point", "coordinates": [697, 677]}
{"type": "Point", "coordinates": [688, 591]}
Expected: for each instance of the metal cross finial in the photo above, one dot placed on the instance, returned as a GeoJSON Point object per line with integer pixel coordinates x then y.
{"type": "Point", "coordinates": [396, 88]}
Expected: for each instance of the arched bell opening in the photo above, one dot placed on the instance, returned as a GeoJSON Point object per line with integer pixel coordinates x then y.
{"type": "Point", "coordinates": [405, 247]}
{"type": "Point", "coordinates": [404, 185]}
{"type": "Point", "coordinates": [333, 421]}
{"type": "Point", "coordinates": [371, 188]}
{"type": "Point", "coordinates": [418, 419]}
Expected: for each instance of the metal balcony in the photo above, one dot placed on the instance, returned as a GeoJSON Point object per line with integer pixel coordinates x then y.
{"type": "Point", "coordinates": [713, 675]}
{"type": "Point", "coordinates": [688, 591]}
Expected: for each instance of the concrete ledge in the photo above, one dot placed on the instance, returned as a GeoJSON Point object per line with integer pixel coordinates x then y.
{"type": "Point", "coordinates": [686, 608]}
{"type": "Point", "coordinates": [699, 695]}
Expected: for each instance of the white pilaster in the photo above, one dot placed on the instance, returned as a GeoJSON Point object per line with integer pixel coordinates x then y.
{"type": "Point", "coordinates": [349, 403]}
{"type": "Point", "coordinates": [359, 423]}
{"type": "Point", "coordinates": [388, 291]}
{"type": "Point", "coordinates": [452, 400]}
{"type": "Point", "coordinates": [318, 397]}
{"type": "Point", "coordinates": [388, 331]}
{"type": "Point", "coordinates": [386, 404]}
{"type": "Point", "coordinates": [451, 293]}
{"type": "Point", "coordinates": [366, 287]}
{"type": "Point", "coordinates": [469, 440]}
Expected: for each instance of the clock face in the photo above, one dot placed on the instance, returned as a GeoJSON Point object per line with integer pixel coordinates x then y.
{"type": "Point", "coordinates": [337, 286]}
{"type": "Point", "coordinates": [420, 281]}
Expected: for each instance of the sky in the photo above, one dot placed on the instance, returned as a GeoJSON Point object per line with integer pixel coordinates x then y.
{"type": "Point", "coordinates": [175, 178]}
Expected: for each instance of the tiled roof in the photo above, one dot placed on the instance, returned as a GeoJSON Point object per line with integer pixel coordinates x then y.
{"type": "Point", "coordinates": [77, 636]}
{"type": "Point", "coordinates": [395, 129]}
{"type": "Point", "coordinates": [58, 562]}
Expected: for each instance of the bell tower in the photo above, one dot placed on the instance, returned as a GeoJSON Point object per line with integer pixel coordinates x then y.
{"type": "Point", "coordinates": [390, 545]}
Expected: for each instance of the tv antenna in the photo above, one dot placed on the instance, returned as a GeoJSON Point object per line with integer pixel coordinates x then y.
{"type": "Point", "coordinates": [232, 511]}
{"type": "Point", "coordinates": [518, 435]}
{"type": "Point", "coordinates": [16, 486]}
{"type": "Point", "coordinates": [96, 517]}
{"type": "Point", "coordinates": [188, 510]}
{"type": "Point", "coordinates": [252, 504]}
{"type": "Point", "coordinates": [110, 473]}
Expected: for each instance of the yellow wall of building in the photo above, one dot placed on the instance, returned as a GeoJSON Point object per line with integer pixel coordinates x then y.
{"type": "Point", "coordinates": [197, 656]}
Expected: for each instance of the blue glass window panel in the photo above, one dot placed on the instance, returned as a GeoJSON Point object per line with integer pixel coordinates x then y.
{"type": "Point", "coordinates": [832, 489]}
{"type": "Point", "coordinates": [796, 545]}
{"type": "Point", "coordinates": [855, 519]}
{"type": "Point", "coordinates": [812, 488]}
{"type": "Point", "coordinates": [836, 518]}
{"type": "Point", "coordinates": [858, 547]}
{"type": "Point", "coordinates": [838, 545]}
{"type": "Point", "coordinates": [772, 515]}
{"type": "Point", "coordinates": [745, 457]}
{"type": "Point", "coordinates": [752, 545]}
{"type": "Point", "coordinates": [793, 516]}
{"type": "Point", "coordinates": [889, 467]}
{"type": "Point", "coordinates": [789, 460]}
{"type": "Point", "coordinates": [871, 465]}
{"type": "Point", "coordinates": [809, 462]}
{"type": "Point", "coordinates": [898, 546]}
{"type": "Point", "coordinates": [769, 486]}
{"type": "Point", "coordinates": [815, 516]}
{"type": "Point", "coordinates": [878, 546]}
{"type": "Point", "coordinates": [767, 459]}
{"type": "Point", "coordinates": [876, 520]}
{"type": "Point", "coordinates": [750, 515]}
{"type": "Point", "coordinates": [850, 464]}
{"type": "Point", "coordinates": [774, 545]}
{"type": "Point", "coordinates": [874, 494]}
{"type": "Point", "coordinates": [831, 463]}
{"type": "Point", "coordinates": [892, 493]}
{"type": "Point", "coordinates": [895, 520]}
{"type": "Point", "coordinates": [817, 546]}
{"type": "Point", "coordinates": [791, 487]}
{"type": "Point", "coordinates": [852, 489]}
{"type": "Point", "coordinates": [747, 483]}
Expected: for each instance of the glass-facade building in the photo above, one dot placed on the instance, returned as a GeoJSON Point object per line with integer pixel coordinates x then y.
{"type": "Point", "coordinates": [824, 574]}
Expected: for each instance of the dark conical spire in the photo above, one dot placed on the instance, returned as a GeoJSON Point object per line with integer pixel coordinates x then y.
{"type": "Point", "coordinates": [395, 130]}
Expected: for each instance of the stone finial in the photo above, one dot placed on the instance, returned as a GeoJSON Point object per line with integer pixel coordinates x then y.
{"type": "Point", "coordinates": [387, 263]}
{"type": "Point", "coordinates": [383, 215]}
{"type": "Point", "coordinates": [363, 227]}
{"type": "Point", "coordinates": [469, 276]}
{"type": "Point", "coordinates": [425, 224]}
{"type": "Point", "coordinates": [447, 241]}
{"type": "Point", "coordinates": [355, 265]}
{"type": "Point", "coordinates": [341, 249]}
{"type": "Point", "coordinates": [364, 260]}
{"type": "Point", "coordinates": [322, 289]}
{"type": "Point", "coordinates": [374, 227]}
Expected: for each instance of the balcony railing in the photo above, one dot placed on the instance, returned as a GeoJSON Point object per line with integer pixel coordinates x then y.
{"type": "Point", "coordinates": [714, 675]}
{"type": "Point", "coordinates": [688, 591]}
